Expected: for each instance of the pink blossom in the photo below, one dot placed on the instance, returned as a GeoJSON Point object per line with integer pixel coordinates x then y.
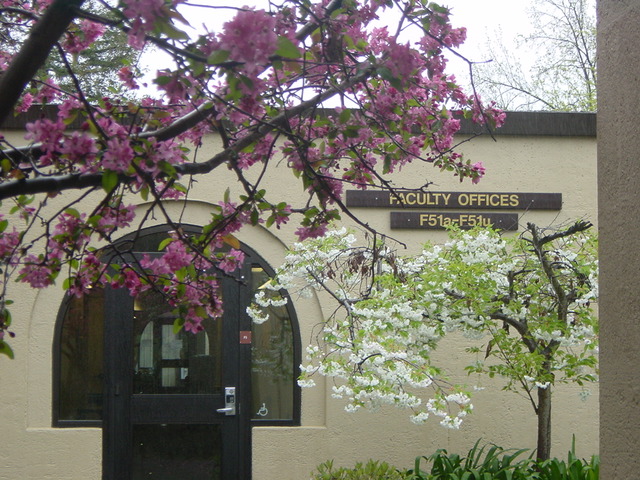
{"type": "Point", "coordinates": [166, 151]}
{"type": "Point", "coordinates": [47, 132]}
{"type": "Point", "coordinates": [112, 218]}
{"type": "Point", "coordinates": [87, 276]}
{"type": "Point", "coordinates": [126, 76]}
{"type": "Point", "coordinates": [144, 14]}
{"type": "Point", "coordinates": [233, 221]}
{"type": "Point", "coordinates": [25, 103]}
{"type": "Point", "coordinates": [156, 265]}
{"type": "Point", "coordinates": [65, 109]}
{"type": "Point", "coordinates": [79, 147]}
{"type": "Point", "coordinates": [231, 261]}
{"type": "Point", "coordinates": [118, 156]}
{"type": "Point", "coordinates": [250, 39]}
{"type": "Point", "coordinates": [176, 256]}
{"type": "Point", "coordinates": [402, 60]}
{"type": "Point", "coordinates": [311, 232]}
{"type": "Point", "coordinates": [8, 243]}
{"type": "Point", "coordinates": [328, 187]}
{"type": "Point", "coordinates": [176, 85]}
{"type": "Point", "coordinates": [261, 150]}
{"type": "Point", "coordinates": [5, 60]}
{"type": "Point", "coordinates": [111, 128]}
{"type": "Point", "coordinates": [36, 272]}
{"type": "Point", "coordinates": [132, 282]}
{"type": "Point", "coordinates": [82, 37]}
{"type": "Point", "coordinates": [477, 172]}
{"type": "Point", "coordinates": [193, 322]}
{"type": "Point", "coordinates": [49, 91]}
{"type": "Point", "coordinates": [68, 233]}
{"type": "Point", "coordinates": [282, 215]}
{"type": "Point", "coordinates": [42, 4]}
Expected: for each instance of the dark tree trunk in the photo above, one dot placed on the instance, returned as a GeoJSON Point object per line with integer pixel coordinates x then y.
{"type": "Point", "coordinates": [544, 423]}
{"type": "Point", "coordinates": [34, 52]}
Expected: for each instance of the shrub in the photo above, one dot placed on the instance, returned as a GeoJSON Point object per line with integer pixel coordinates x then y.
{"type": "Point", "coordinates": [488, 462]}
{"type": "Point", "coordinates": [574, 469]}
{"type": "Point", "coordinates": [494, 464]}
{"type": "Point", "coordinates": [372, 470]}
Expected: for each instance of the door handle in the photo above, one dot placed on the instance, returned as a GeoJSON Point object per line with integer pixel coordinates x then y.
{"type": "Point", "coordinates": [229, 402]}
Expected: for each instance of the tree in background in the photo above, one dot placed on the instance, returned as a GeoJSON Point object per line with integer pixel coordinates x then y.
{"type": "Point", "coordinates": [262, 83]}
{"type": "Point", "coordinates": [94, 67]}
{"type": "Point", "coordinates": [528, 298]}
{"type": "Point", "coordinates": [553, 68]}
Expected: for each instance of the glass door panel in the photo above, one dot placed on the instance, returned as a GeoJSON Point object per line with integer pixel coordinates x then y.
{"type": "Point", "coordinates": [272, 360]}
{"type": "Point", "coordinates": [166, 362]}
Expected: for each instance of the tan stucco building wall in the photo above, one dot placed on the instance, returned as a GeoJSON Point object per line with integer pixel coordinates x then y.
{"type": "Point", "coordinates": [547, 153]}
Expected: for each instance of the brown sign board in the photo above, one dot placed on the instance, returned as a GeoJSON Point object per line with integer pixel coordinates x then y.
{"type": "Point", "coordinates": [440, 220]}
{"type": "Point", "coordinates": [461, 200]}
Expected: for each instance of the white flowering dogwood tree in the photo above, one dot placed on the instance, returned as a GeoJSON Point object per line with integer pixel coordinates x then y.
{"type": "Point", "coordinates": [526, 302]}
{"type": "Point", "coordinates": [322, 86]}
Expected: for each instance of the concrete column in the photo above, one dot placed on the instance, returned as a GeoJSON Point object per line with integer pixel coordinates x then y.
{"type": "Point", "coordinates": [619, 223]}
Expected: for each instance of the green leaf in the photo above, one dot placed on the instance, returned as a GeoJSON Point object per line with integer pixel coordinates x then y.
{"type": "Point", "coordinates": [5, 349]}
{"type": "Point", "coordinates": [178, 323]}
{"type": "Point", "coordinates": [386, 74]}
{"type": "Point", "coordinates": [287, 49]}
{"type": "Point", "coordinates": [255, 217]}
{"type": "Point", "coordinates": [217, 57]}
{"type": "Point", "coordinates": [6, 165]}
{"type": "Point", "coordinates": [386, 168]}
{"type": "Point", "coordinates": [73, 212]}
{"type": "Point", "coordinates": [180, 274]}
{"type": "Point", "coordinates": [171, 31]}
{"type": "Point", "coordinates": [68, 282]}
{"type": "Point", "coordinates": [345, 115]}
{"type": "Point", "coordinates": [164, 243]}
{"type": "Point", "coordinates": [109, 181]}
{"type": "Point", "coordinates": [168, 169]}
{"type": "Point", "coordinates": [7, 315]}
{"type": "Point", "coordinates": [163, 80]}
{"type": "Point", "coordinates": [180, 188]}
{"type": "Point", "coordinates": [352, 131]}
{"type": "Point", "coordinates": [232, 241]}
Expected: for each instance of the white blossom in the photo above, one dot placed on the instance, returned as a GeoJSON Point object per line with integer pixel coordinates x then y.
{"type": "Point", "coordinates": [378, 343]}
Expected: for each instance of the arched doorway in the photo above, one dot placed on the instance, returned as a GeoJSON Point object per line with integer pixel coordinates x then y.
{"type": "Point", "coordinates": [175, 405]}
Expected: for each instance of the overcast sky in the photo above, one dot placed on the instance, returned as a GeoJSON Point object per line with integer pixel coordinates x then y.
{"type": "Point", "coordinates": [487, 21]}
{"type": "Point", "coordinates": [481, 17]}
{"type": "Point", "coordinates": [484, 19]}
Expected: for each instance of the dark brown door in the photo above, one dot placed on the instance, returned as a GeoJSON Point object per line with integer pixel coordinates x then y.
{"type": "Point", "coordinates": [170, 396]}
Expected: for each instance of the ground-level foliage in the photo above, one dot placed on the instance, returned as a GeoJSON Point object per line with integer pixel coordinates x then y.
{"type": "Point", "coordinates": [488, 462]}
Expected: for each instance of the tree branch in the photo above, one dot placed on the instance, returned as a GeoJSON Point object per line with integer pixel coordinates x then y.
{"type": "Point", "coordinates": [538, 247]}
{"type": "Point", "coordinates": [79, 181]}
{"type": "Point", "coordinates": [579, 226]}
{"type": "Point", "coordinates": [34, 52]}
{"type": "Point", "coordinates": [521, 328]}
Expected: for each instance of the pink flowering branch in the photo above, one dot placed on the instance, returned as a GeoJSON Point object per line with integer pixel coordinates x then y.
{"type": "Point", "coordinates": [260, 83]}
{"type": "Point", "coordinates": [81, 181]}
